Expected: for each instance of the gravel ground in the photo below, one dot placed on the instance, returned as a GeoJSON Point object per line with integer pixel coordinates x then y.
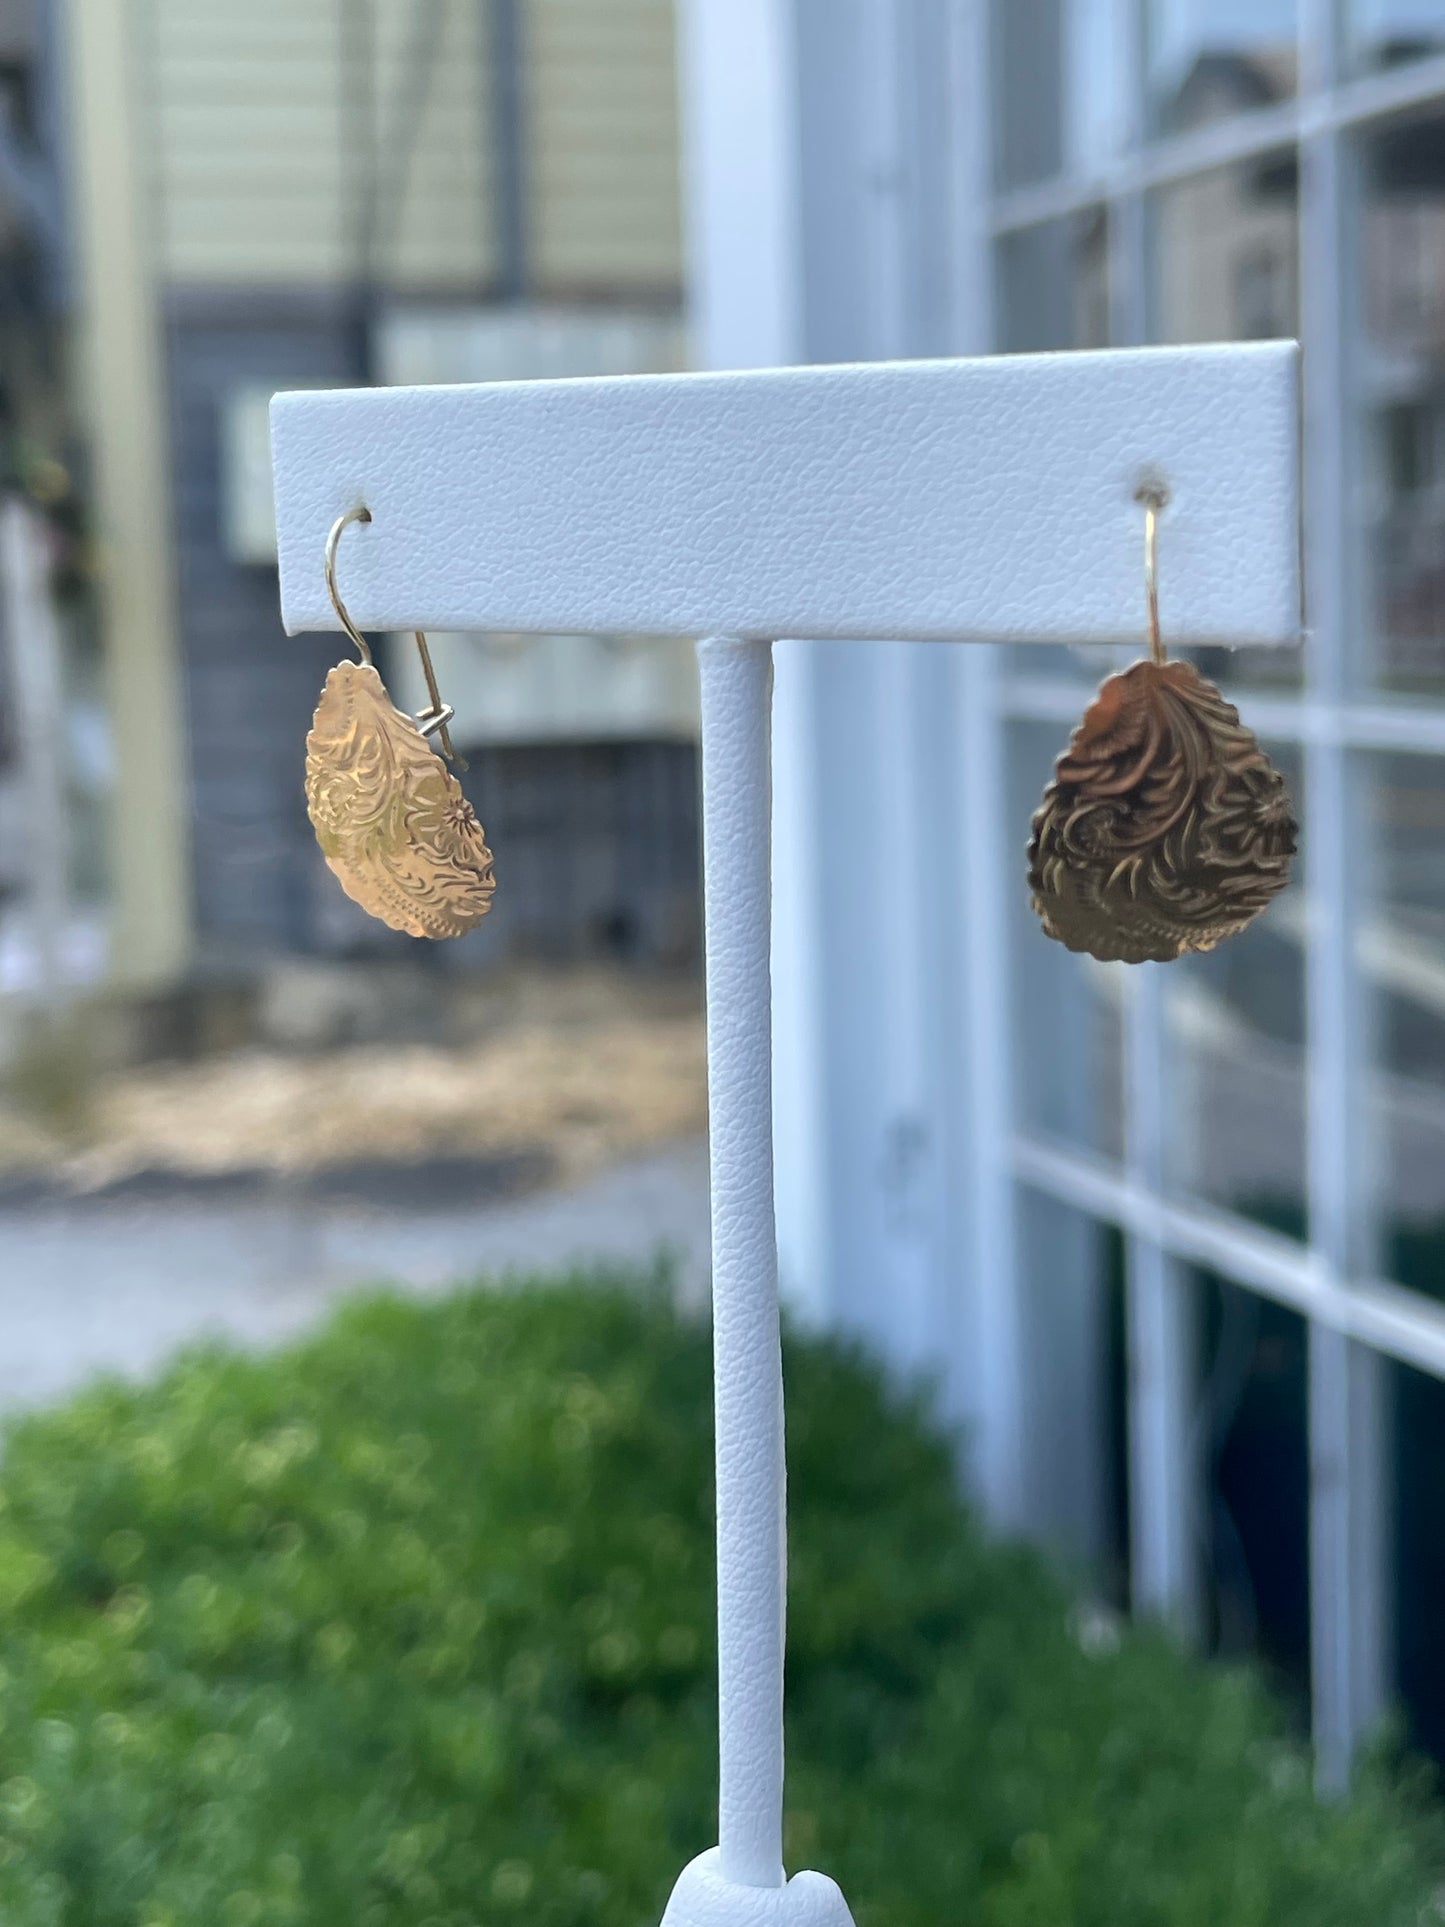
{"type": "Point", "coordinates": [580, 1069]}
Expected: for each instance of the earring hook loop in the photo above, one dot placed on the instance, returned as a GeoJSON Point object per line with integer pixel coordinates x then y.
{"type": "Point", "coordinates": [440, 714]}
{"type": "Point", "coordinates": [1153, 496]}
{"type": "Point", "coordinates": [342, 615]}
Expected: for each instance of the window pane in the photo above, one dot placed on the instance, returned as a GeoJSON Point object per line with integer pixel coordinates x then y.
{"type": "Point", "coordinates": [1418, 1424]}
{"type": "Point", "coordinates": [1211, 59]}
{"type": "Point", "coordinates": [1072, 1310]}
{"type": "Point", "coordinates": [1252, 1429]}
{"type": "Point", "coordinates": [1235, 1053]}
{"type": "Point", "coordinates": [1224, 250]}
{"type": "Point", "coordinates": [1053, 285]}
{"type": "Point", "coordinates": [1401, 957]}
{"type": "Point", "coordinates": [1066, 1007]}
{"type": "Point", "coordinates": [1387, 33]}
{"type": "Point", "coordinates": [1058, 64]}
{"type": "Point", "coordinates": [1403, 492]}
{"type": "Point", "coordinates": [1053, 292]}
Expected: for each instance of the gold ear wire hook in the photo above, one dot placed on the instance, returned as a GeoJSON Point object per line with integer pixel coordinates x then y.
{"type": "Point", "coordinates": [351, 515]}
{"type": "Point", "coordinates": [430, 721]}
{"type": "Point", "coordinates": [1153, 495]}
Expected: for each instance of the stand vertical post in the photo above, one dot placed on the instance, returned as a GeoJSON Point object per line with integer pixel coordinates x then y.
{"type": "Point", "coordinates": [737, 691]}
{"type": "Point", "coordinates": [741, 1883]}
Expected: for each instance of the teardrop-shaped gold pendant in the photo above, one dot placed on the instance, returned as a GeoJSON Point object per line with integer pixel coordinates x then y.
{"type": "Point", "coordinates": [391, 819]}
{"type": "Point", "coordinates": [1166, 827]}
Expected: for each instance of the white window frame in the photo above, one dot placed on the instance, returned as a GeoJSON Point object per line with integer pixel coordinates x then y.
{"type": "Point", "coordinates": [1354, 1319]}
{"type": "Point", "coordinates": [857, 221]}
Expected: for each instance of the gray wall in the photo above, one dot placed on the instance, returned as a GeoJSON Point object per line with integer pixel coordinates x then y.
{"type": "Point", "coordinates": [596, 844]}
{"type": "Point", "coordinates": [249, 690]}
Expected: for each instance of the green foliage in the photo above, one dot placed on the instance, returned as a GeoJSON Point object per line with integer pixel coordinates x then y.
{"type": "Point", "coordinates": [411, 1627]}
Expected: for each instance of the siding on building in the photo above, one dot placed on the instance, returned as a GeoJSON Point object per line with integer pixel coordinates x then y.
{"type": "Point", "coordinates": [596, 843]}
{"type": "Point", "coordinates": [258, 163]}
{"type": "Point", "coordinates": [597, 848]}
{"type": "Point", "coordinates": [261, 158]}
{"type": "Point", "coordinates": [260, 153]}
{"type": "Point", "coordinates": [249, 689]}
{"type": "Point", "coordinates": [604, 146]}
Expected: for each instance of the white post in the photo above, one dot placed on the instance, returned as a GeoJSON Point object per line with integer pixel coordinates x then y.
{"type": "Point", "coordinates": [737, 689]}
{"type": "Point", "coordinates": [741, 1883]}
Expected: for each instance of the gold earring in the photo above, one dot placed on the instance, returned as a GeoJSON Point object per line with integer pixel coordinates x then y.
{"type": "Point", "coordinates": [1166, 827]}
{"type": "Point", "coordinates": [391, 820]}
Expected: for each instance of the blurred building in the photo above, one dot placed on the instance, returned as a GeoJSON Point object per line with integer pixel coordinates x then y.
{"type": "Point", "coordinates": [333, 192]}
{"type": "Point", "coordinates": [1172, 1239]}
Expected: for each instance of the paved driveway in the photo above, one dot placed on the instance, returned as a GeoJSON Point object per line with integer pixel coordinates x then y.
{"type": "Point", "coordinates": [118, 1283]}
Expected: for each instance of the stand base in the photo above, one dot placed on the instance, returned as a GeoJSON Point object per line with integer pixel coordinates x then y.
{"type": "Point", "coordinates": [702, 1898]}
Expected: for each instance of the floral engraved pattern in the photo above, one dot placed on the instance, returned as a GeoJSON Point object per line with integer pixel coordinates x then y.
{"type": "Point", "coordinates": [391, 820]}
{"type": "Point", "coordinates": [1166, 828]}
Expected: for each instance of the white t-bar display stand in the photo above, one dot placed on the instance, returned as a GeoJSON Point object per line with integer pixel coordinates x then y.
{"type": "Point", "coordinates": [966, 500]}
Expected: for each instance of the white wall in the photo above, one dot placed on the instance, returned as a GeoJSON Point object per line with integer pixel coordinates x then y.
{"type": "Point", "coordinates": [804, 206]}
{"type": "Point", "coordinates": [837, 151]}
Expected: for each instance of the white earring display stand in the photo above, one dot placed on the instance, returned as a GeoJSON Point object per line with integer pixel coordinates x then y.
{"type": "Point", "coordinates": [969, 500]}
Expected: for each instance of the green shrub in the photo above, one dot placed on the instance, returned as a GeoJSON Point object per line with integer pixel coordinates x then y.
{"type": "Point", "coordinates": [411, 1627]}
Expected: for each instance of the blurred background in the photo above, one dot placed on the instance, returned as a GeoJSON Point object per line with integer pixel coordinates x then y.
{"type": "Point", "coordinates": [1172, 1243]}
{"type": "Point", "coordinates": [204, 205]}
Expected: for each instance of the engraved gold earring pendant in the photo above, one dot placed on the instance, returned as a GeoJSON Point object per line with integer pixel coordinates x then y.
{"type": "Point", "coordinates": [391, 819]}
{"type": "Point", "coordinates": [1166, 828]}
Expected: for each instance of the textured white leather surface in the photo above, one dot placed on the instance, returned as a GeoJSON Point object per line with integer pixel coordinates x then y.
{"type": "Point", "coordinates": [990, 498]}
{"type": "Point", "coordinates": [702, 1898]}
{"type": "Point", "coordinates": [736, 689]}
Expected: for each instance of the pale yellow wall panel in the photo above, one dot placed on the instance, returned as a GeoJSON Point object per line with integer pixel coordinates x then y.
{"type": "Point", "coordinates": [612, 263]}
{"type": "Point", "coordinates": [250, 172]}
{"type": "Point", "coordinates": [180, 27]}
{"type": "Point", "coordinates": [251, 79]}
{"type": "Point", "coordinates": [604, 154]}
{"type": "Point", "coordinates": [251, 168]}
{"type": "Point", "coordinates": [289, 264]}
{"type": "Point", "coordinates": [209, 142]}
{"type": "Point", "coordinates": [441, 232]}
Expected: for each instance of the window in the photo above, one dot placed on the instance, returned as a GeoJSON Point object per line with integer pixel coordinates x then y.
{"type": "Point", "coordinates": [1402, 398]}
{"type": "Point", "coordinates": [1208, 62]}
{"type": "Point", "coordinates": [1261, 1132]}
{"type": "Point", "coordinates": [1393, 33]}
{"type": "Point", "coordinates": [1261, 302]}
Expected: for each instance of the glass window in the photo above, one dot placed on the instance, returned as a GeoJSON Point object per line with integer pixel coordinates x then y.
{"type": "Point", "coordinates": [1208, 60]}
{"type": "Point", "coordinates": [1053, 285]}
{"type": "Point", "coordinates": [1417, 1416]}
{"type": "Point", "coordinates": [1234, 1049]}
{"type": "Point", "coordinates": [1400, 953]}
{"type": "Point", "coordinates": [1387, 33]}
{"type": "Point", "coordinates": [1072, 1313]}
{"type": "Point", "coordinates": [1223, 266]}
{"type": "Point", "coordinates": [1251, 1426]}
{"type": "Point", "coordinates": [1058, 64]}
{"type": "Point", "coordinates": [1053, 292]}
{"type": "Point", "coordinates": [1066, 1007]}
{"type": "Point", "coordinates": [1224, 248]}
{"type": "Point", "coordinates": [1402, 371]}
